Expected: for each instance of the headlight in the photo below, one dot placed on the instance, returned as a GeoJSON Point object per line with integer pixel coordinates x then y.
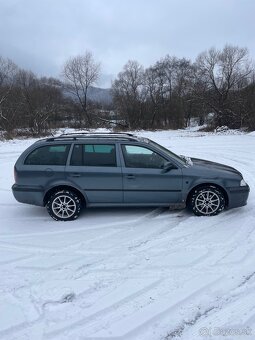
{"type": "Point", "coordinates": [243, 183]}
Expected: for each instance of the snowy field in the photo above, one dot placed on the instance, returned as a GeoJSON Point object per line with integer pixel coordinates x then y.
{"type": "Point", "coordinates": [144, 274]}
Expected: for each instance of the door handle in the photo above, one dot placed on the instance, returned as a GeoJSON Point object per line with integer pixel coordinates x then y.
{"type": "Point", "coordinates": [75, 174]}
{"type": "Point", "coordinates": [130, 176]}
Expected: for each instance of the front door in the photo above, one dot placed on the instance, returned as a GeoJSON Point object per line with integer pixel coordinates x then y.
{"type": "Point", "coordinates": [144, 181]}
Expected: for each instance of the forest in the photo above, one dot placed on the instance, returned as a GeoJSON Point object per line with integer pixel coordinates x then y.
{"type": "Point", "coordinates": [216, 89]}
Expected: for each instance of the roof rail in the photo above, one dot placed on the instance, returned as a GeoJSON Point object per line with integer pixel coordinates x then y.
{"type": "Point", "coordinates": [98, 133]}
{"type": "Point", "coordinates": [81, 135]}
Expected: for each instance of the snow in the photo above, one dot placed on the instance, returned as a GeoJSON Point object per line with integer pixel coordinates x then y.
{"type": "Point", "coordinates": [135, 273]}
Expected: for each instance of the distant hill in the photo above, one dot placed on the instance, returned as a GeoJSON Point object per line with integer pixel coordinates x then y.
{"type": "Point", "coordinates": [96, 94]}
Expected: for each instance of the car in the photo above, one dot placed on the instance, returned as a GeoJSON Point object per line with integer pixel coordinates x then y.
{"type": "Point", "coordinates": [69, 172]}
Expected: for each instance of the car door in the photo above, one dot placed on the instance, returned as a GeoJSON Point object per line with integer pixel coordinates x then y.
{"type": "Point", "coordinates": [44, 165]}
{"type": "Point", "coordinates": [144, 179]}
{"type": "Point", "coordinates": [95, 169]}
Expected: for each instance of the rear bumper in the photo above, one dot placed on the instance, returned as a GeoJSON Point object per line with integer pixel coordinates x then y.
{"type": "Point", "coordinates": [32, 194]}
{"type": "Point", "coordinates": [238, 196]}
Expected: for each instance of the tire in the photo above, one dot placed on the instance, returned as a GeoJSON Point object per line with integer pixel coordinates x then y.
{"type": "Point", "coordinates": [207, 201]}
{"type": "Point", "coordinates": [64, 205]}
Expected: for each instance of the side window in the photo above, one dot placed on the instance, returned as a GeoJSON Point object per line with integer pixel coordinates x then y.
{"type": "Point", "coordinates": [141, 157]}
{"type": "Point", "coordinates": [48, 155]}
{"type": "Point", "coordinates": [94, 155]}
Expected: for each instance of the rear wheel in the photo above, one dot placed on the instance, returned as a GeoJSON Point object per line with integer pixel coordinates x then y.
{"type": "Point", "coordinates": [64, 205]}
{"type": "Point", "coordinates": [207, 201]}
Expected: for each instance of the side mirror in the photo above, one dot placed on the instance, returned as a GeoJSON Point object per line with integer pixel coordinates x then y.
{"type": "Point", "coordinates": [168, 167]}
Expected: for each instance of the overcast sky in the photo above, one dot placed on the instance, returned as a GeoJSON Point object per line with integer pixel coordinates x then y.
{"type": "Point", "coordinates": [41, 34]}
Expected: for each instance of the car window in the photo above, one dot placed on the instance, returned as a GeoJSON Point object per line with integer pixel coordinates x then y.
{"type": "Point", "coordinates": [141, 157]}
{"type": "Point", "coordinates": [168, 152]}
{"type": "Point", "coordinates": [48, 155]}
{"type": "Point", "coordinates": [93, 155]}
{"type": "Point", "coordinates": [98, 148]}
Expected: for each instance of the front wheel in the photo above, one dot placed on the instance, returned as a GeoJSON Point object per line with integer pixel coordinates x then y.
{"type": "Point", "coordinates": [64, 205]}
{"type": "Point", "coordinates": [207, 201]}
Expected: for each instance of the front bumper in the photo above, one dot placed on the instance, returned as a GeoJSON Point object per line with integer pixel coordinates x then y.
{"type": "Point", "coordinates": [238, 196]}
{"type": "Point", "coordinates": [28, 194]}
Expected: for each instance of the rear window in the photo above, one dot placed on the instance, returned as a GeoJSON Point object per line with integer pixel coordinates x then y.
{"type": "Point", "coordinates": [48, 155]}
{"type": "Point", "coordinates": [93, 155]}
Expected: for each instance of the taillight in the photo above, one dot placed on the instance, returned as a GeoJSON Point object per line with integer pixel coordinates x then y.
{"type": "Point", "coordinates": [15, 174]}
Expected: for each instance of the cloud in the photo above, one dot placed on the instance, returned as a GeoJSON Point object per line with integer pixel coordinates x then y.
{"type": "Point", "coordinates": [41, 35]}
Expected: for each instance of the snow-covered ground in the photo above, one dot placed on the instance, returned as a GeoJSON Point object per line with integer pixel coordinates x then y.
{"type": "Point", "coordinates": [144, 274]}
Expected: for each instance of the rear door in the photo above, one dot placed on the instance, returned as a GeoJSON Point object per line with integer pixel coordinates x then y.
{"type": "Point", "coordinates": [44, 165]}
{"type": "Point", "coordinates": [144, 181]}
{"type": "Point", "coordinates": [95, 169]}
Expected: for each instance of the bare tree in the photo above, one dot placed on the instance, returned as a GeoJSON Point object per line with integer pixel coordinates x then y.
{"type": "Point", "coordinates": [128, 93]}
{"type": "Point", "coordinates": [8, 72]}
{"type": "Point", "coordinates": [222, 74]}
{"type": "Point", "coordinates": [79, 74]}
{"type": "Point", "coordinates": [153, 92]}
{"type": "Point", "coordinates": [169, 83]}
{"type": "Point", "coordinates": [39, 102]}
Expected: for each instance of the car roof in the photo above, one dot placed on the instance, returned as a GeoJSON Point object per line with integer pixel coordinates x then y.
{"type": "Point", "coordinates": [94, 135]}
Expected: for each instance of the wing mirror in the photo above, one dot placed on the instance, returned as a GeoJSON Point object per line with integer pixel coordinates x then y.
{"type": "Point", "coordinates": [168, 167]}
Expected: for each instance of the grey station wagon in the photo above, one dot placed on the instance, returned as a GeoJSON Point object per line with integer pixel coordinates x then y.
{"type": "Point", "coordinates": [72, 171]}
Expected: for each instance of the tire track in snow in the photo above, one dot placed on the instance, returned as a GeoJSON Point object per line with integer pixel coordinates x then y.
{"type": "Point", "coordinates": [135, 321]}
{"type": "Point", "coordinates": [154, 237]}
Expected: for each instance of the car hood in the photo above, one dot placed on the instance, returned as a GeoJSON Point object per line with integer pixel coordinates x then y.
{"type": "Point", "coordinates": [214, 166]}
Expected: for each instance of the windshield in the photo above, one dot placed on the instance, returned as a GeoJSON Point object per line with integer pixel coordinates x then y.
{"type": "Point", "coordinates": [168, 152]}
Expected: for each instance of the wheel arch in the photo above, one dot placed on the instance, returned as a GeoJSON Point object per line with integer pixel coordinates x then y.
{"type": "Point", "coordinates": [203, 185]}
{"type": "Point", "coordinates": [63, 187]}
